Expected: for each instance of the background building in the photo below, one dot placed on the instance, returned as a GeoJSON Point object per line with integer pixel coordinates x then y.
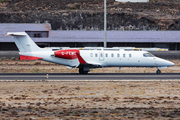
{"type": "Point", "coordinates": [45, 37]}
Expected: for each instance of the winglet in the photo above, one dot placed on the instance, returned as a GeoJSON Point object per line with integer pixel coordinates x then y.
{"type": "Point", "coordinates": [81, 60]}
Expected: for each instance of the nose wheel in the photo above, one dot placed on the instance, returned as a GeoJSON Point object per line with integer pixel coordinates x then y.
{"type": "Point", "coordinates": [158, 71]}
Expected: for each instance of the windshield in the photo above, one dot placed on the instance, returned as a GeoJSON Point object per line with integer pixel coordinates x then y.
{"type": "Point", "coordinates": [148, 55]}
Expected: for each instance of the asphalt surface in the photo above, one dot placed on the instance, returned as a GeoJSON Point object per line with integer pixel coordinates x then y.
{"type": "Point", "coordinates": [90, 76]}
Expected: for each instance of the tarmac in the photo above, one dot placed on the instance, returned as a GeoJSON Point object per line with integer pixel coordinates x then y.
{"type": "Point", "coordinates": [89, 77]}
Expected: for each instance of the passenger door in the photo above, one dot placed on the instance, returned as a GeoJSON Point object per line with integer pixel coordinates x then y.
{"type": "Point", "coordinates": [101, 56]}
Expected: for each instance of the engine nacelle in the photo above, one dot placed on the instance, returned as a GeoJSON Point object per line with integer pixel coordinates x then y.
{"type": "Point", "coordinates": [67, 54]}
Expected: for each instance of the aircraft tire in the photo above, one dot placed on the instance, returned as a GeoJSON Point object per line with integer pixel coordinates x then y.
{"type": "Point", "coordinates": [158, 71]}
{"type": "Point", "coordinates": [81, 71]}
{"type": "Point", "coordinates": [85, 72]}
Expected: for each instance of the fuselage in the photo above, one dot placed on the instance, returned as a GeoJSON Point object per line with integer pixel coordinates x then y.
{"type": "Point", "coordinates": [103, 58]}
{"type": "Point", "coordinates": [121, 58]}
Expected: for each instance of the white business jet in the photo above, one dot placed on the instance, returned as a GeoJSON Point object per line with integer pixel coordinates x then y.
{"type": "Point", "coordinates": [87, 58]}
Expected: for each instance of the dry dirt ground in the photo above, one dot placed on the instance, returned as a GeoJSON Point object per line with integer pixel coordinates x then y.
{"type": "Point", "coordinates": [43, 100]}
{"type": "Point", "coordinates": [90, 100]}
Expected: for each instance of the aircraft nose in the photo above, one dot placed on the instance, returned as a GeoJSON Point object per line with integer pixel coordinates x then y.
{"type": "Point", "coordinates": [163, 62]}
{"type": "Point", "coordinates": [170, 63]}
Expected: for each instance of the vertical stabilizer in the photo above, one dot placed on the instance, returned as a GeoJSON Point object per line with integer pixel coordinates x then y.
{"type": "Point", "coordinates": [24, 42]}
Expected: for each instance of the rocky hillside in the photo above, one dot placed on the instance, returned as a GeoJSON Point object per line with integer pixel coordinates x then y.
{"type": "Point", "coordinates": [89, 15]}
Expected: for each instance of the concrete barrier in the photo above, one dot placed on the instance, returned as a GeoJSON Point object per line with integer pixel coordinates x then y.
{"type": "Point", "coordinates": [9, 54]}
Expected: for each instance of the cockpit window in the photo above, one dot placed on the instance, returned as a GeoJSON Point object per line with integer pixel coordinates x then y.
{"type": "Point", "coordinates": [148, 55]}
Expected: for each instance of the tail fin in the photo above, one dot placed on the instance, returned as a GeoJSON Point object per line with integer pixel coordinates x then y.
{"type": "Point", "coordinates": [24, 42]}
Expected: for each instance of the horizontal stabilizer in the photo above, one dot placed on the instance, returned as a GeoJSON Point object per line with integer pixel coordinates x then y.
{"type": "Point", "coordinates": [16, 34]}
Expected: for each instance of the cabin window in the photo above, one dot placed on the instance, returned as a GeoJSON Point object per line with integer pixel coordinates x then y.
{"type": "Point", "coordinates": [91, 55]}
{"type": "Point", "coordinates": [101, 55]}
{"type": "Point", "coordinates": [112, 55]}
{"type": "Point", "coordinates": [96, 55]}
{"type": "Point", "coordinates": [124, 55]}
{"type": "Point", "coordinates": [148, 55]}
{"type": "Point", "coordinates": [106, 55]}
{"type": "Point", "coordinates": [118, 55]}
{"type": "Point", "coordinates": [129, 55]}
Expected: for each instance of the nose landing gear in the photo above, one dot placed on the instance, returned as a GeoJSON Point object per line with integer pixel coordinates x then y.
{"type": "Point", "coordinates": [158, 71]}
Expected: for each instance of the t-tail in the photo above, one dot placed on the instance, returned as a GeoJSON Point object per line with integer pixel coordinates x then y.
{"type": "Point", "coordinates": [24, 42]}
{"type": "Point", "coordinates": [26, 45]}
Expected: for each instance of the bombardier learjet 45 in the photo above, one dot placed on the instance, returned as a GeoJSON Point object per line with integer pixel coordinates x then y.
{"type": "Point", "coordinates": [85, 59]}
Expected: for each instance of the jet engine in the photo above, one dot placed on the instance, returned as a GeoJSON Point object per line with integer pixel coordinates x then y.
{"type": "Point", "coordinates": [67, 54]}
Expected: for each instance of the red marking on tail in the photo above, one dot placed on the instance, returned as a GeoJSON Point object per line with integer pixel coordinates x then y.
{"type": "Point", "coordinates": [23, 57]}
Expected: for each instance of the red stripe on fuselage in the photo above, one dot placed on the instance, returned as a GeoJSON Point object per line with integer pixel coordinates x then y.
{"type": "Point", "coordinates": [23, 57]}
{"type": "Point", "coordinates": [81, 60]}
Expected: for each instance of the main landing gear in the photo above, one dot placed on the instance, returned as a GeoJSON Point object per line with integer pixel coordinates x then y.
{"type": "Point", "coordinates": [83, 71]}
{"type": "Point", "coordinates": [158, 71]}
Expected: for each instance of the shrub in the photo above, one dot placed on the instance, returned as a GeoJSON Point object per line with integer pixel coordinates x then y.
{"type": "Point", "coordinates": [1, 1]}
{"type": "Point", "coordinates": [13, 58]}
{"type": "Point", "coordinates": [3, 58]}
{"type": "Point", "coordinates": [72, 8]}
